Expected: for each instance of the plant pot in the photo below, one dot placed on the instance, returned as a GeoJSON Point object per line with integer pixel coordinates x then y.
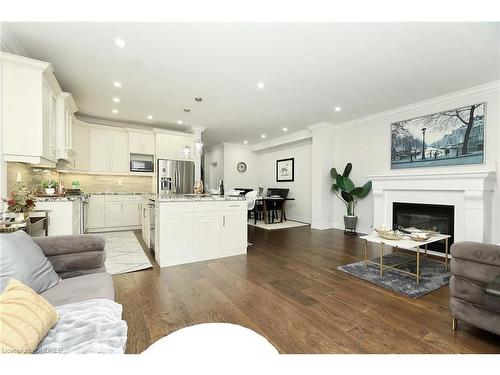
{"type": "Point", "coordinates": [50, 191]}
{"type": "Point", "coordinates": [350, 223]}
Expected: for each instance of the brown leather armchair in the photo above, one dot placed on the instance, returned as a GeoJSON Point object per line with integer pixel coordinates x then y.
{"type": "Point", "coordinates": [474, 266]}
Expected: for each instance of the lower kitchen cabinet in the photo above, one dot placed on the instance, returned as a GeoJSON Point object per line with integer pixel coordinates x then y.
{"type": "Point", "coordinates": [64, 216]}
{"type": "Point", "coordinates": [195, 231]}
{"type": "Point", "coordinates": [114, 212]}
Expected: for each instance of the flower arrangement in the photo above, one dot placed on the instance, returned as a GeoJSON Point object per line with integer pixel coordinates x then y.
{"type": "Point", "coordinates": [22, 200]}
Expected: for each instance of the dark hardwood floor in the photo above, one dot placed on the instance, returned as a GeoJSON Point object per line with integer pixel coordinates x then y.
{"type": "Point", "coordinates": [288, 289]}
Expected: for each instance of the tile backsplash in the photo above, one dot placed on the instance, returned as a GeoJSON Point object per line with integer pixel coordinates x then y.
{"type": "Point", "coordinates": [108, 184]}
{"type": "Point", "coordinates": [90, 183]}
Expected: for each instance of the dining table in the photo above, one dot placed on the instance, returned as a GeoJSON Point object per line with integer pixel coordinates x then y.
{"type": "Point", "coordinates": [265, 201]}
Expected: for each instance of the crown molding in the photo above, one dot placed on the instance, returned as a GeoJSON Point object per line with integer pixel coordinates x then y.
{"type": "Point", "coordinates": [487, 88]}
{"type": "Point", "coordinates": [128, 124]}
{"type": "Point", "coordinates": [42, 66]}
{"type": "Point", "coordinates": [321, 125]}
{"type": "Point", "coordinates": [289, 138]}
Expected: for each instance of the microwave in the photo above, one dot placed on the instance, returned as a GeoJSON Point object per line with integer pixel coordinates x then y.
{"type": "Point", "coordinates": [141, 166]}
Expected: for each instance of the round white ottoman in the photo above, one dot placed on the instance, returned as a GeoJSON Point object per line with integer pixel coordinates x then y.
{"type": "Point", "coordinates": [212, 339]}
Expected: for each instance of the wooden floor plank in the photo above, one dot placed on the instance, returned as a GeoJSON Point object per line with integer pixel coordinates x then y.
{"type": "Point", "coordinates": [288, 289]}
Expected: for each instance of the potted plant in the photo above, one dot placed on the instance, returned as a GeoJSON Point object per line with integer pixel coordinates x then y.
{"type": "Point", "coordinates": [345, 189]}
{"type": "Point", "coordinates": [21, 201]}
{"type": "Point", "coordinates": [49, 186]}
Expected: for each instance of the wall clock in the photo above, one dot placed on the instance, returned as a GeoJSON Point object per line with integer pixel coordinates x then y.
{"type": "Point", "coordinates": [242, 167]}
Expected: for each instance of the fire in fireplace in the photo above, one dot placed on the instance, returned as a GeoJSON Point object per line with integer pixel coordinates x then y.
{"type": "Point", "coordinates": [435, 217]}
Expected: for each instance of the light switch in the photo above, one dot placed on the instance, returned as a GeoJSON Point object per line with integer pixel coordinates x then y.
{"type": "Point", "coordinates": [120, 182]}
{"type": "Point", "coordinates": [19, 177]}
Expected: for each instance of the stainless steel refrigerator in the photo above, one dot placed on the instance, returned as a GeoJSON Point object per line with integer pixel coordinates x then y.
{"type": "Point", "coordinates": [175, 176]}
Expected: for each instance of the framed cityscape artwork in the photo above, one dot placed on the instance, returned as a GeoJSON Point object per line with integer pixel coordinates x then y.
{"type": "Point", "coordinates": [454, 137]}
{"type": "Point", "coordinates": [285, 170]}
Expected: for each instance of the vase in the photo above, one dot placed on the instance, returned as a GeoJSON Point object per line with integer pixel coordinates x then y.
{"type": "Point", "coordinates": [50, 191]}
{"type": "Point", "coordinates": [350, 223]}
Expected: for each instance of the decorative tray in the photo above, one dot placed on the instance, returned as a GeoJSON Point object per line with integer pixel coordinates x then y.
{"type": "Point", "coordinates": [389, 234]}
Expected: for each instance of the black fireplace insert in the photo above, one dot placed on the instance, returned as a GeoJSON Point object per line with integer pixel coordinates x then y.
{"type": "Point", "coordinates": [436, 217]}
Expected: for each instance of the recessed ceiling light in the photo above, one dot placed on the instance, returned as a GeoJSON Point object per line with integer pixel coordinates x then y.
{"type": "Point", "coordinates": [260, 85]}
{"type": "Point", "coordinates": [179, 122]}
{"type": "Point", "coordinates": [116, 100]}
{"type": "Point", "coordinates": [115, 111]}
{"type": "Point", "coordinates": [337, 109]}
{"type": "Point", "coordinates": [245, 142]}
{"type": "Point", "coordinates": [120, 42]}
{"type": "Point", "coordinates": [263, 136]}
{"type": "Point", "coordinates": [285, 129]}
{"type": "Point", "coordinates": [150, 117]}
{"type": "Point", "coordinates": [117, 84]}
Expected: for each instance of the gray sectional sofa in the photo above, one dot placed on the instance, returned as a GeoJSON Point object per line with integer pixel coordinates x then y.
{"type": "Point", "coordinates": [474, 265]}
{"type": "Point", "coordinates": [79, 261]}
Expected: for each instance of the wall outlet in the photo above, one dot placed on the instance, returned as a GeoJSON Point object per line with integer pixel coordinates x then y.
{"type": "Point", "coordinates": [19, 177]}
{"type": "Point", "coordinates": [120, 182]}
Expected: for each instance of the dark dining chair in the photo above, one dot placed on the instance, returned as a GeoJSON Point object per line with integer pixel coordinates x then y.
{"type": "Point", "coordinates": [278, 205]}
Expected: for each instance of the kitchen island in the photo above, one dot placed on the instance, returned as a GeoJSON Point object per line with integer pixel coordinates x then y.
{"type": "Point", "coordinates": [192, 228]}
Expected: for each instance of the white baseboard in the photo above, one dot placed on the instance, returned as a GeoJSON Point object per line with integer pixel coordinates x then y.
{"type": "Point", "coordinates": [321, 226]}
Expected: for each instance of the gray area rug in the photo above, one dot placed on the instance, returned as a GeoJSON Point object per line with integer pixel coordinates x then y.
{"type": "Point", "coordinates": [433, 275]}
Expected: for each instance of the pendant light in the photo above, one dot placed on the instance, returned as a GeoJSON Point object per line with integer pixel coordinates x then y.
{"type": "Point", "coordinates": [186, 149]}
{"type": "Point", "coordinates": [198, 144]}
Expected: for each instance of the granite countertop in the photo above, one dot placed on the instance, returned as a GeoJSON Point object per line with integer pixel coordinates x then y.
{"type": "Point", "coordinates": [117, 193]}
{"type": "Point", "coordinates": [194, 198]}
{"type": "Point", "coordinates": [69, 198]}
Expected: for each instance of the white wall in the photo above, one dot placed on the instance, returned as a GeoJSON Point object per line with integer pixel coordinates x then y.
{"type": "Point", "coordinates": [233, 154]}
{"type": "Point", "coordinates": [300, 188]}
{"type": "Point", "coordinates": [213, 174]}
{"type": "Point", "coordinates": [366, 143]}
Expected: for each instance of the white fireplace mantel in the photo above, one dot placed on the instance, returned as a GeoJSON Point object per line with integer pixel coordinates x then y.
{"type": "Point", "coordinates": [469, 192]}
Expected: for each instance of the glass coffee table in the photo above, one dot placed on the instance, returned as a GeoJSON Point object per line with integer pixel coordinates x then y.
{"type": "Point", "coordinates": [405, 243]}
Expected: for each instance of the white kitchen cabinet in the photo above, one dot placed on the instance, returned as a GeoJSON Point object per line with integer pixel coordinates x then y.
{"type": "Point", "coordinates": [80, 153]}
{"type": "Point", "coordinates": [95, 212]}
{"type": "Point", "coordinates": [234, 228]}
{"type": "Point", "coordinates": [64, 216]}
{"type": "Point", "coordinates": [145, 222]}
{"type": "Point", "coordinates": [113, 214]}
{"type": "Point", "coordinates": [29, 110]}
{"type": "Point", "coordinates": [206, 226]}
{"type": "Point", "coordinates": [195, 231]}
{"type": "Point", "coordinates": [170, 146]}
{"type": "Point", "coordinates": [176, 229]}
{"type": "Point", "coordinates": [99, 150]}
{"type": "Point", "coordinates": [141, 143]}
{"type": "Point", "coordinates": [66, 108]}
{"type": "Point", "coordinates": [131, 213]}
{"type": "Point", "coordinates": [118, 151]}
{"type": "Point", "coordinates": [108, 150]}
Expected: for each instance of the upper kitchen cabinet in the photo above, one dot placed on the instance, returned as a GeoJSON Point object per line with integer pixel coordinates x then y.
{"type": "Point", "coordinates": [79, 157]}
{"type": "Point", "coordinates": [29, 110]}
{"type": "Point", "coordinates": [170, 146]}
{"type": "Point", "coordinates": [108, 150]}
{"type": "Point", "coordinates": [141, 142]}
{"type": "Point", "coordinates": [66, 108]}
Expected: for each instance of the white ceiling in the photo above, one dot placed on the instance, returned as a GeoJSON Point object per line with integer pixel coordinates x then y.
{"type": "Point", "coordinates": [308, 69]}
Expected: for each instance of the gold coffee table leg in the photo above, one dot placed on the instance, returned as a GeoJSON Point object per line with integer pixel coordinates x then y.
{"type": "Point", "coordinates": [418, 264]}
{"type": "Point", "coordinates": [366, 252]}
{"type": "Point", "coordinates": [381, 260]}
